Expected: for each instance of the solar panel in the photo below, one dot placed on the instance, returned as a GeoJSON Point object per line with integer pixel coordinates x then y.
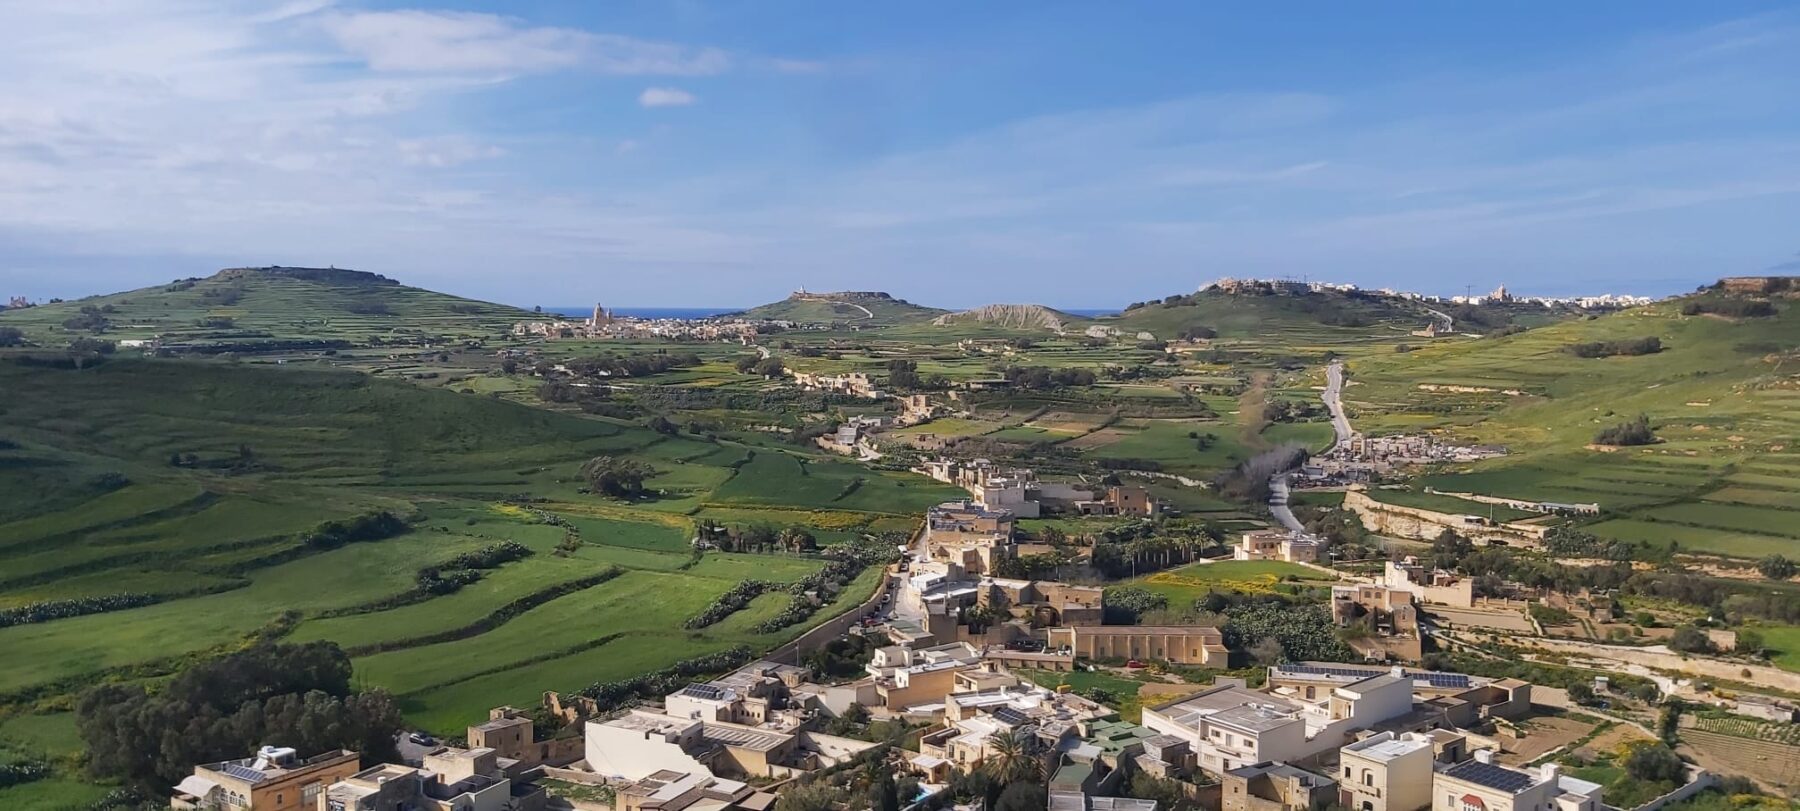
{"type": "Point", "coordinates": [245, 773]}
{"type": "Point", "coordinates": [1491, 775]}
{"type": "Point", "coordinates": [705, 691]}
{"type": "Point", "coordinates": [1011, 716]}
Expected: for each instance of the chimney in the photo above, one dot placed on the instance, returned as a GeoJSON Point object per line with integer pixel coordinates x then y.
{"type": "Point", "coordinates": [1549, 772]}
{"type": "Point", "coordinates": [1398, 671]}
{"type": "Point", "coordinates": [1484, 756]}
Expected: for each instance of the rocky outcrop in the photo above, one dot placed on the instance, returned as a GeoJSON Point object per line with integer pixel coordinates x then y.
{"type": "Point", "coordinates": [1010, 316]}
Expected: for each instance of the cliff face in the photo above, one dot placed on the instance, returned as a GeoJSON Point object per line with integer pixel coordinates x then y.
{"type": "Point", "coordinates": [1010, 316]}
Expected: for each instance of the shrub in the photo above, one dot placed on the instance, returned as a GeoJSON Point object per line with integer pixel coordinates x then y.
{"type": "Point", "coordinates": [1635, 432]}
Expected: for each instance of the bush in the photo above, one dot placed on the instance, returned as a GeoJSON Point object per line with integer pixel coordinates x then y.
{"type": "Point", "coordinates": [1654, 762]}
{"type": "Point", "coordinates": [1776, 567]}
{"type": "Point", "coordinates": [1635, 432]}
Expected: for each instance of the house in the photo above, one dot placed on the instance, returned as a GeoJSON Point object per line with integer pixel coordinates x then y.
{"type": "Point", "coordinates": [1078, 801]}
{"type": "Point", "coordinates": [905, 677]}
{"type": "Point", "coordinates": [1044, 720]}
{"type": "Point", "coordinates": [1042, 603]}
{"type": "Point", "coordinates": [1179, 644]}
{"type": "Point", "coordinates": [511, 735]}
{"type": "Point", "coordinates": [1270, 544]}
{"type": "Point", "coordinates": [644, 742]}
{"type": "Point", "coordinates": [1389, 613]}
{"type": "Point", "coordinates": [1231, 725]}
{"type": "Point", "coordinates": [1274, 787]}
{"type": "Point", "coordinates": [276, 779]}
{"type": "Point", "coordinates": [760, 694]}
{"type": "Point", "coordinates": [969, 535]}
{"type": "Point", "coordinates": [449, 780]}
{"type": "Point", "coordinates": [1386, 772]}
{"type": "Point", "coordinates": [676, 791]}
{"type": "Point", "coordinates": [1432, 586]}
{"type": "Point", "coordinates": [1483, 785]}
{"type": "Point", "coordinates": [1121, 500]}
{"type": "Point", "coordinates": [1450, 699]}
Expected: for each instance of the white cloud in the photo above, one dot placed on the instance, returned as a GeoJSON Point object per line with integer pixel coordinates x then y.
{"type": "Point", "coordinates": [665, 97]}
{"type": "Point", "coordinates": [454, 41]}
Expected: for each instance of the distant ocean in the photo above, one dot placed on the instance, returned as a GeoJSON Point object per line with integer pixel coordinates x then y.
{"type": "Point", "coordinates": [708, 312]}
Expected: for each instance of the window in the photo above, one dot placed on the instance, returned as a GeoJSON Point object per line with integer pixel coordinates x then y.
{"type": "Point", "coordinates": [1368, 778]}
{"type": "Point", "coordinates": [1346, 771]}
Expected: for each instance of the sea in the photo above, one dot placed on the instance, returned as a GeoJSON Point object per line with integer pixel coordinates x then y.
{"type": "Point", "coordinates": [708, 312]}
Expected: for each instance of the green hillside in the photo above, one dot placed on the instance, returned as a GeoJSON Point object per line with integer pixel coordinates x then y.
{"type": "Point", "coordinates": [175, 506]}
{"type": "Point", "coordinates": [851, 308]}
{"type": "Point", "coordinates": [1309, 316]}
{"type": "Point", "coordinates": [251, 308]}
{"type": "Point", "coordinates": [1722, 395]}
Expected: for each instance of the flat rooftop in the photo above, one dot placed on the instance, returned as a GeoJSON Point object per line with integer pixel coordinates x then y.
{"type": "Point", "coordinates": [741, 738]}
{"type": "Point", "coordinates": [1384, 750]}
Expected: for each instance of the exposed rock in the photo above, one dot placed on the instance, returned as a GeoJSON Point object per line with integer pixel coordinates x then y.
{"type": "Point", "coordinates": [1011, 316]}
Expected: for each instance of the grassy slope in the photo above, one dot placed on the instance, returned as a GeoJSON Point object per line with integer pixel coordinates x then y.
{"type": "Point", "coordinates": [1288, 319]}
{"type": "Point", "coordinates": [1724, 396]}
{"type": "Point", "coordinates": [282, 306]}
{"type": "Point", "coordinates": [884, 312]}
{"type": "Point", "coordinates": [331, 444]}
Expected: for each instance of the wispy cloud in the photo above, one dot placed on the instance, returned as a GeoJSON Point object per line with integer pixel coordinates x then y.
{"type": "Point", "coordinates": [665, 97]}
{"type": "Point", "coordinates": [430, 41]}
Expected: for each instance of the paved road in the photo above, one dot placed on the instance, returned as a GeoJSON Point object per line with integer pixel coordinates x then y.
{"type": "Point", "coordinates": [1278, 504]}
{"type": "Point", "coordinates": [1334, 400]}
{"type": "Point", "coordinates": [1449, 323]}
{"type": "Point", "coordinates": [1340, 426]}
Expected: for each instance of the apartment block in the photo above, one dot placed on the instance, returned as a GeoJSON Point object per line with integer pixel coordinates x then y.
{"type": "Point", "coordinates": [1386, 772]}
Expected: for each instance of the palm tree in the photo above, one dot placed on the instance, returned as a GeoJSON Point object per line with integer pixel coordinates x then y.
{"type": "Point", "coordinates": [1011, 761]}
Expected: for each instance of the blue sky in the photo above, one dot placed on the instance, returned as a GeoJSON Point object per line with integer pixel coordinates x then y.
{"type": "Point", "coordinates": [724, 153]}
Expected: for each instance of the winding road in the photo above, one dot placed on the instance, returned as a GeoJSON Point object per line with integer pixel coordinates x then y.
{"type": "Point", "coordinates": [1340, 426]}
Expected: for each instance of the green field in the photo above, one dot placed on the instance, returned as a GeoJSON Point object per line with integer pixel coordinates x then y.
{"type": "Point", "coordinates": [1719, 396]}
{"type": "Point", "coordinates": [277, 450]}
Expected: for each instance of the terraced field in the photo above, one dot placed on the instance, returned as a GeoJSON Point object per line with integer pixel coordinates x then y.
{"type": "Point", "coordinates": [1724, 476]}
{"type": "Point", "coordinates": [218, 540]}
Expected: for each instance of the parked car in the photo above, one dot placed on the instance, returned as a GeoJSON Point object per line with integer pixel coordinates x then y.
{"type": "Point", "coordinates": [421, 739]}
{"type": "Point", "coordinates": [1134, 664]}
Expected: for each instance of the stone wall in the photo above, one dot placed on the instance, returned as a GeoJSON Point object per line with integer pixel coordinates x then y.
{"type": "Point", "coordinates": [1425, 525]}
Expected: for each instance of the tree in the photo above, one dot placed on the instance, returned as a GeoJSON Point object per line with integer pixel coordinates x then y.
{"type": "Point", "coordinates": [1655, 762]}
{"type": "Point", "coordinates": [1749, 642]}
{"type": "Point", "coordinates": [886, 794]}
{"type": "Point", "coordinates": [903, 374]}
{"type": "Point", "coordinates": [662, 425]}
{"type": "Point", "coordinates": [769, 367]}
{"type": "Point", "coordinates": [1023, 796]}
{"type": "Point", "coordinates": [807, 797]}
{"type": "Point", "coordinates": [1774, 567]}
{"type": "Point", "coordinates": [1635, 432]}
{"type": "Point", "coordinates": [11, 336]}
{"type": "Point", "coordinates": [1013, 762]}
{"type": "Point", "coordinates": [618, 478]}
{"type": "Point", "coordinates": [1688, 639]}
{"type": "Point", "coordinates": [1581, 693]}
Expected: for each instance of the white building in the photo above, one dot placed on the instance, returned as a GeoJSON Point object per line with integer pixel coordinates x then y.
{"type": "Point", "coordinates": [1385, 772]}
{"type": "Point", "coordinates": [1231, 726]}
{"type": "Point", "coordinates": [1483, 785]}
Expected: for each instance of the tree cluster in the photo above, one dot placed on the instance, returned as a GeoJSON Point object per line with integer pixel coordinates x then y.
{"type": "Point", "coordinates": [1634, 432]}
{"type": "Point", "coordinates": [1729, 307]}
{"type": "Point", "coordinates": [616, 477]}
{"type": "Point", "coordinates": [292, 695]}
{"type": "Point", "coordinates": [1647, 345]}
{"type": "Point", "coordinates": [1038, 378]}
{"type": "Point", "coordinates": [373, 526]}
{"type": "Point", "coordinates": [1304, 632]}
{"type": "Point", "coordinates": [1126, 605]}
